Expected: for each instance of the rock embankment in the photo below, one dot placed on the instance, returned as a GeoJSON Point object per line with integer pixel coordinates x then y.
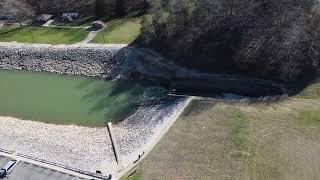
{"type": "Point", "coordinates": [104, 62]}
{"type": "Point", "coordinates": [84, 148]}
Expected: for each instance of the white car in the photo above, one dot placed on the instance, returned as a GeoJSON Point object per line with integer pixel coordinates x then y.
{"type": "Point", "coordinates": [6, 169]}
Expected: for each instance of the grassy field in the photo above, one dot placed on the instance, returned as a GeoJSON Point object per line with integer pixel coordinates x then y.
{"type": "Point", "coordinates": [278, 140]}
{"type": "Point", "coordinates": [60, 99]}
{"type": "Point", "coordinates": [125, 31]}
{"type": "Point", "coordinates": [47, 35]}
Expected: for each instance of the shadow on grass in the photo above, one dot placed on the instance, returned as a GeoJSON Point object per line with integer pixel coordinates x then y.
{"type": "Point", "coordinates": [11, 30]}
{"type": "Point", "coordinates": [297, 87]}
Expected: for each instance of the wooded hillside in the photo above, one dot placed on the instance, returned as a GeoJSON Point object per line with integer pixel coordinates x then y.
{"type": "Point", "coordinates": [273, 39]}
{"type": "Point", "coordinates": [19, 9]}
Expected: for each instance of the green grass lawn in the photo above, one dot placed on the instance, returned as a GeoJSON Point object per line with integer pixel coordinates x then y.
{"type": "Point", "coordinates": [58, 99]}
{"type": "Point", "coordinates": [308, 117]}
{"type": "Point", "coordinates": [47, 35]}
{"type": "Point", "coordinates": [136, 175]}
{"type": "Point", "coordinates": [125, 32]}
{"type": "Point", "coordinates": [311, 91]}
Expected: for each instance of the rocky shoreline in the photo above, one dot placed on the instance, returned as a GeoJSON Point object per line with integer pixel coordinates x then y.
{"type": "Point", "coordinates": [101, 62]}
{"type": "Point", "coordinates": [84, 148]}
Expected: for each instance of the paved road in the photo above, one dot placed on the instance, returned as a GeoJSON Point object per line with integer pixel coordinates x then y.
{"type": "Point", "coordinates": [24, 163]}
{"type": "Point", "coordinates": [90, 37]}
{"type": "Point", "coordinates": [3, 161]}
{"type": "Point", "coordinates": [26, 171]}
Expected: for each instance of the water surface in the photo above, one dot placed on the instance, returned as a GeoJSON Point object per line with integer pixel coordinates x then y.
{"type": "Point", "coordinates": [61, 99]}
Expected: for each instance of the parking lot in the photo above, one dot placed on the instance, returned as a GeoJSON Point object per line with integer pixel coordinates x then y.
{"type": "Point", "coordinates": [27, 171]}
{"type": "Point", "coordinates": [3, 161]}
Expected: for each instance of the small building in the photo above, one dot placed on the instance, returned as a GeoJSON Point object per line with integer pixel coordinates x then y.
{"type": "Point", "coordinates": [97, 25]}
{"type": "Point", "coordinates": [43, 18]}
{"type": "Point", "coordinates": [69, 17]}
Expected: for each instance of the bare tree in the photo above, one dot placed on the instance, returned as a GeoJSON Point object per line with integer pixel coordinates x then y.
{"type": "Point", "coordinates": [268, 38]}
{"type": "Point", "coordinates": [17, 10]}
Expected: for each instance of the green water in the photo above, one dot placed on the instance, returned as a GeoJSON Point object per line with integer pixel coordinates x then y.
{"type": "Point", "coordinates": [58, 99]}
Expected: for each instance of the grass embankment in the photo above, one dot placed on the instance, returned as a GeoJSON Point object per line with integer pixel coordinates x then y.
{"type": "Point", "coordinates": [57, 99]}
{"type": "Point", "coordinates": [266, 140]}
{"type": "Point", "coordinates": [312, 91]}
{"type": "Point", "coordinates": [44, 35]}
{"type": "Point", "coordinates": [277, 140]}
{"type": "Point", "coordinates": [120, 32]}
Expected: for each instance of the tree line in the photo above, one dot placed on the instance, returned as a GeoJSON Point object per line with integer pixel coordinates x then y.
{"type": "Point", "coordinates": [273, 39]}
{"type": "Point", "coordinates": [24, 9]}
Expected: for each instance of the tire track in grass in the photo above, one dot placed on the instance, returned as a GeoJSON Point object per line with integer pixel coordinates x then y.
{"type": "Point", "coordinates": [291, 139]}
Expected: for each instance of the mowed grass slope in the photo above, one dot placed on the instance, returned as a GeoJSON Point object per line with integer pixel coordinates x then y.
{"type": "Point", "coordinates": [58, 99]}
{"type": "Point", "coordinates": [277, 140]}
{"type": "Point", "coordinates": [120, 32]}
{"type": "Point", "coordinates": [45, 35]}
{"type": "Point", "coordinates": [312, 91]}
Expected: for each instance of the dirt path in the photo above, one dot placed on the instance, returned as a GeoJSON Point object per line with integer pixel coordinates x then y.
{"type": "Point", "coordinates": [47, 24]}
